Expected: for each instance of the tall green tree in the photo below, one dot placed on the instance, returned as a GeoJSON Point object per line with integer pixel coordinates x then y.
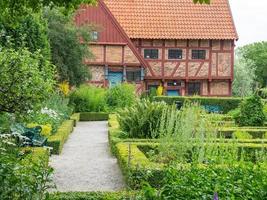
{"type": "Point", "coordinates": [67, 51]}
{"type": "Point", "coordinates": [257, 52]}
{"type": "Point", "coordinates": [13, 10]}
{"type": "Point", "coordinates": [23, 83]}
{"type": "Point", "coordinates": [244, 81]}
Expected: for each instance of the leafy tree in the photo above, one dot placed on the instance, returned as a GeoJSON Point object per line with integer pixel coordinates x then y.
{"type": "Point", "coordinates": [13, 10]}
{"type": "Point", "coordinates": [257, 52]}
{"type": "Point", "coordinates": [244, 77]}
{"type": "Point", "coordinates": [67, 52]}
{"type": "Point", "coordinates": [31, 33]}
{"type": "Point", "coordinates": [23, 83]}
{"type": "Point", "coordinates": [251, 112]}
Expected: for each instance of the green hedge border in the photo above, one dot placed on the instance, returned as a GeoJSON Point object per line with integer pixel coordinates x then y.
{"type": "Point", "coordinates": [226, 103]}
{"type": "Point", "coordinates": [94, 116]}
{"type": "Point", "coordinates": [57, 140]}
{"type": "Point", "coordinates": [91, 195]}
{"type": "Point", "coordinates": [76, 118]}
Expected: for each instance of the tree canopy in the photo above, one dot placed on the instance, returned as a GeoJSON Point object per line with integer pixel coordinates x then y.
{"type": "Point", "coordinates": [67, 52]}
{"type": "Point", "coordinates": [13, 10]}
{"type": "Point", "coordinates": [23, 84]}
{"type": "Point", "coordinates": [257, 52]}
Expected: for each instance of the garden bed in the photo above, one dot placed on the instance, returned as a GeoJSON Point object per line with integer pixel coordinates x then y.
{"type": "Point", "coordinates": [57, 140]}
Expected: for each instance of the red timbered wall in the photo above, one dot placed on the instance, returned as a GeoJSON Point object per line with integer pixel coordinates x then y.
{"type": "Point", "coordinates": [215, 72]}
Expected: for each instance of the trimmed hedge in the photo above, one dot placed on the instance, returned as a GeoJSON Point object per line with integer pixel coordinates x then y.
{"type": "Point", "coordinates": [57, 140]}
{"type": "Point", "coordinates": [93, 116]}
{"type": "Point", "coordinates": [225, 103]}
{"type": "Point", "coordinates": [137, 168]}
{"type": "Point", "coordinates": [91, 195]}
{"type": "Point", "coordinates": [255, 132]}
{"type": "Point", "coordinates": [75, 117]}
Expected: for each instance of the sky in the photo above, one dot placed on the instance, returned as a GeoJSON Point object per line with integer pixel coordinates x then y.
{"type": "Point", "coordinates": [250, 18]}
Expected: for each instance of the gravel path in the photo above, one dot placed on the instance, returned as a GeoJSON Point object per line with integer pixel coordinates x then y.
{"type": "Point", "coordinates": [86, 163]}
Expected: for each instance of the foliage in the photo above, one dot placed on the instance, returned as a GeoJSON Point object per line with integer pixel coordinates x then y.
{"type": "Point", "coordinates": [257, 52]}
{"type": "Point", "coordinates": [141, 119]}
{"type": "Point", "coordinates": [225, 104]}
{"type": "Point", "coordinates": [23, 84]}
{"type": "Point", "coordinates": [93, 116]}
{"type": "Point", "coordinates": [22, 176]}
{"type": "Point", "coordinates": [190, 136]}
{"type": "Point", "coordinates": [53, 111]}
{"type": "Point", "coordinates": [67, 51]}
{"type": "Point", "coordinates": [265, 110]}
{"type": "Point", "coordinates": [5, 122]}
{"type": "Point", "coordinates": [30, 33]}
{"type": "Point", "coordinates": [12, 11]}
{"type": "Point", "coordinates": [88, 99]}
{"type": "Point", "coordinates": [92, 196]}
{"type": "Point", "coordinates": [241, 135]}
{"type": "Point", "coordinates": [120, 96]}
{"type": "Point", "coordinates": [263, 92]}
{"type": "Point", "coordinates": [244, 81]}
{"type": "Point", "coordinates": [57, 140]}
{"type": "Point", "coordinates": [251, 112]}
{"type": "Point", "coordinates": [244, 181]}
{"type": "Point", "coordinates": [64, 88]}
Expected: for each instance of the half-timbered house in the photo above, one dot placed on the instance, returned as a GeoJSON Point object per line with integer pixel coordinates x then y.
{"type": "Point", "coordinates": [185, 47]}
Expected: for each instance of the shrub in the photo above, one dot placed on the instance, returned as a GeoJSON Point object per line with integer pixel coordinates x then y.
{"type": "Point", "coordinates": [53, 112]}
{"type": "Point", "coordinates": [88, 99]}
{"type": "Point", "coordinates": [242, 135]}
{"type": "Point", "coordinates": [225, 104]}
{"type": "Point", "coordinates": [25, 81]}
{"type": "Point", "coordinates": [251, 112]}
{"type": "Point", "coordinates": [23, 174]}
{"type": "Point", "coordinates": [57, 140]}
{"type": "Point", "coordinates": [121, 96]}
{"type": "Point", "coordinates": [195, 182]}
{"type": "Point", "coordinates": [93, 116]}
{"type": "Point", "coordinates": [141, 119]}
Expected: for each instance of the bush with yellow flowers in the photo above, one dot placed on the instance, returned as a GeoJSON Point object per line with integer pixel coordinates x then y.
{"type": "Point", "coordinates": [46, 129]}
{"type": "Point", "coordinates": [64, 87]}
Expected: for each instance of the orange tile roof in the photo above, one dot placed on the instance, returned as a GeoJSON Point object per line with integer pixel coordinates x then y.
{"type": "Point", "coordinates": [174, 19]}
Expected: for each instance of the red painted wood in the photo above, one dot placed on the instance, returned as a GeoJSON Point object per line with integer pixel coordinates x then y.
{"type": "Point", "coordinates": [96, 16]}
{"type": "Point", "coordinates": [199, 68]}
{"type": "Point", "coordinates": [175, 69]}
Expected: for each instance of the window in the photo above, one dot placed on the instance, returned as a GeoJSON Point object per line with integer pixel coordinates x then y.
{"type": "Point", "coordinates": [199, 54]}
{"type": "Point", "coordinates": [151, 53]}
{"type": "Point", "coordinates": [175, 54]}
{"type": "Point", "coordinates": [94, 35]}
{"type": "Point", "coordinates": [193, 89]}
{"type": "Point", "coordinates": [174, 83]}
{"type": "Point", "coordinates": [133, 76]}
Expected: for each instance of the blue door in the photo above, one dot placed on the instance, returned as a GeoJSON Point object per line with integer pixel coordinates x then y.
{"type": "Point", "coordinates": [173, 93]}
{"type": "Point", "coordinates": [114, 78]}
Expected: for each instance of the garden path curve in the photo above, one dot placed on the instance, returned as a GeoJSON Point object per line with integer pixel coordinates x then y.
{"type": "Point", "coordinates": [85, 163]}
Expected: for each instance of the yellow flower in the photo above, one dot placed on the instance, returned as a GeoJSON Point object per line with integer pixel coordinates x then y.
{"type": "Point", "coordinates": [64, 87]}
{"type": "Point", "coordinates": [159, 90]}
{"type": "Point", "coordinates": [46, 129]}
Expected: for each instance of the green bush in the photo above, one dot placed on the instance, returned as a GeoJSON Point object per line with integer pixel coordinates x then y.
{"type": "Point", "coordinates": [75, 117]}
{"type": "Point", "coordinates": [91, 196]}
{"type": "Point", "coordinates": [251, 112]}
{"type": "Point", "coordinates": [93, 116]}
{"type": "Point", "coordinates": [57, 140]}
{"type": "Point", "coordinates": [88, 99]}
{"type": "Point", "coordinates": [224, 103]}
{"type": "Point", "coordinates": [265, 110]}
{"type": "Point", "coordinates": [234, 182]}
{"type": "Point", "coordinates": [121, 96]}
{"type": "Point", "coordinates": [141, 120]}
{"type": "Point", "coordinates": [53, 111]}
{"type": "Point", "coordinates": [24, 174]}
{"type": "Point", "coordinates": [241, 135]}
